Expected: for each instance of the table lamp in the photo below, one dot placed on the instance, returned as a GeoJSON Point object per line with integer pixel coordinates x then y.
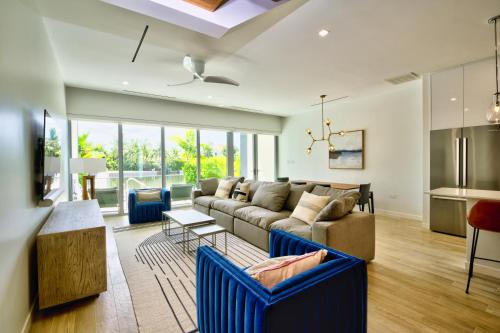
{"type": "Point", "coordinates": [90, 166]}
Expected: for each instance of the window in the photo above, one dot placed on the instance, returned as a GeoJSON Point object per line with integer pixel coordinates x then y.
{"type": "Point", "coordinates": [97, 140]}
{"type": "Point", "coordinates": [180, 156]}
{"type": "Point", "coordinates": [213, 154]}
{"type": "Point", "coordinates": [141, 157]}
{"type": "Point", "coordinates": [252, 156]}
{"type": "Point", "coordinates": [243, 155]}
{"type": "Point", "coordinates": [266, 157]}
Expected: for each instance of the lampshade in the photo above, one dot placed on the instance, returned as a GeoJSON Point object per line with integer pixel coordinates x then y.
{"type": "Point", "coordinates": [51, 165]}
{"type": "Point", "coordinates": [87, 165]}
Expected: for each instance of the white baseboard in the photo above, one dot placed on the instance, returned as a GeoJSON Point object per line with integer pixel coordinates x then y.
{"type": "Point", "coordinates": [392, 213]}
{"type": "Point", "coordinates": [29, 318]}
{"type": "Point", "coordinates": [482, 269]}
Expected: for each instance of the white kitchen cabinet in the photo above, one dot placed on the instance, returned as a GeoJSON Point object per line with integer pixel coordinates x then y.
{"type": "Point", "coordinates": [447, 99]}
{"type": "Point", "coordinates": [479, 87]}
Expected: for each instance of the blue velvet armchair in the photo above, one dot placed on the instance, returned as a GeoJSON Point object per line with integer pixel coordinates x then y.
{"type": "Point", "coordinates": [140, 212]}
{"type": "Point", "coordinates": [331, 297]}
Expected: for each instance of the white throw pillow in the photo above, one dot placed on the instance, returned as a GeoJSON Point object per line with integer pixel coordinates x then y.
{"type": "Point", "coordinates": [309, 206]}
{"type": "Point", "coordinates": [224, 188]}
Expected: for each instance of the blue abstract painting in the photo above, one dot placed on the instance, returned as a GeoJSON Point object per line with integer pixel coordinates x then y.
{"type": "Point", "coordinates": [349, 151]}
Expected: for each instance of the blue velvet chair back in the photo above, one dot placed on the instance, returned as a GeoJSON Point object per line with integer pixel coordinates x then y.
{"type": "Point", "coordinates": [140, 212]}
{"type": "Point", "coordinates": [331, 297]}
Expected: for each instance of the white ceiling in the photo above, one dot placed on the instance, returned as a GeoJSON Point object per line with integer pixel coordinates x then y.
{"type": "Point", "coordinates": [278, 58]}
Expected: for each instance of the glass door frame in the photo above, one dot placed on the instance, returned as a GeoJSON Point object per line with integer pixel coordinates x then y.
{"type": "Point", "coordinates": [121, 194]}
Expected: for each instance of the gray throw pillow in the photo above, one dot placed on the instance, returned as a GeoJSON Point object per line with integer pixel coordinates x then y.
{"type": "Point", "coordinates": [271, 196]}
{"type": "Point", "coordinates": [295, 194]}
{"type": "Point", "coordinates": [339, 207]}
{"type": "Point", "coordinates": [353, 199]}
{"type": "Point", "coordinates": [209, 186]}
{"type": "Point", "coordinates": [333, 193]}
{"type": "Point", "coordinates": [151, 195]}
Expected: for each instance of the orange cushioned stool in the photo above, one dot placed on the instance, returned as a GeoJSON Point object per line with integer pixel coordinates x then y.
{"type": "Point", "coordinates": [484, 215]}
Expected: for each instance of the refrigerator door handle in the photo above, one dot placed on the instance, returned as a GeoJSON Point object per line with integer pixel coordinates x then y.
{"type": "Point", "coordinates": [464, 162]}
{"type": "Point", "coordinates": [457, 162]}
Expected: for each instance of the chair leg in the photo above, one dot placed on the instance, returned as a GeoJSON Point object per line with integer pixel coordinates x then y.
{"type": "Point", "coordinates": [475, 236]}
{"type": "Point", "coordinates": [369, 207]}
{"type": "Point", "coordinates": [372, 204]}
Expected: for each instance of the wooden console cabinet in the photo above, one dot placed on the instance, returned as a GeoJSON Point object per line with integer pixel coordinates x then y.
{"type": "Point", "coordinates": [71, 251]}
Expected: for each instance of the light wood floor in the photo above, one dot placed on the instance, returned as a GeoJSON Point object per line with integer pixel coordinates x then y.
{"type": "Point", "coordinates": [416, 284]}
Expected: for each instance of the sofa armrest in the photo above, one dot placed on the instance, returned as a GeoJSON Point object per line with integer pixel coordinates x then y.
{"type": "Point", "coordinates": [196, 194]}
{"type": "Point", "coordinates": [353, 234]}
{"type": "Point", "coordinates": [166, 199]}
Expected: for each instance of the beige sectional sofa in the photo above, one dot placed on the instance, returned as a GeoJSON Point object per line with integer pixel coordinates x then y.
{"type": "Point", "coordinates": [353, 233]}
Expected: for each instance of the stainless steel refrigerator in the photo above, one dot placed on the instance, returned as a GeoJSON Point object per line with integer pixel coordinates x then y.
{"type": "Point", "coordinates": [466, 157]}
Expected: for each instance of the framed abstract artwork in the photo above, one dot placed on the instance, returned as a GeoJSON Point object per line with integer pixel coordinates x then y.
{"type": "Point", "coordinates": [349, 151]}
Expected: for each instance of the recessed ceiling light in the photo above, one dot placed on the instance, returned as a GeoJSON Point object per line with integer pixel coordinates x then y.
{"type": "Point", "coordinates": [125, 83]}
{"type": "Point", "coordinates": [453, 99]}
{"type": "Point", "coordinates": [221, 105]}
{"type": "Point", "coordinates": [323, 32]}
{"type": "Point", "coordinates": [209, 96]}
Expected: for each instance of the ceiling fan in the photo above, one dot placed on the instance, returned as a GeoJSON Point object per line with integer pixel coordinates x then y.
{"type": "Point", "coordinates": [197, 68]}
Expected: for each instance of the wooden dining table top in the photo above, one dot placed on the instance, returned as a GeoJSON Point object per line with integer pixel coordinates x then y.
{"type": "Point", "coordinates": [338, 186]}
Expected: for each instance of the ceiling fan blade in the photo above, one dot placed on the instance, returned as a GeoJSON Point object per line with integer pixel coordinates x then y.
{"type": "Point", "coordinates": [182, 84]}
{"type": "Point", "coordinates": [220, 79]}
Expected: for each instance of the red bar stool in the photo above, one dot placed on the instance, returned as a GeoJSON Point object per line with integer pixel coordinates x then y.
{"type": "Point", "coordinates": [484, 215]}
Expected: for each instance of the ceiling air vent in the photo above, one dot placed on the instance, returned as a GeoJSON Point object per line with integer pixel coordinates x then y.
{"type": "Point", "coordinates": [403, 78]}
{"type": "Point", "coordinates": [140, 93]}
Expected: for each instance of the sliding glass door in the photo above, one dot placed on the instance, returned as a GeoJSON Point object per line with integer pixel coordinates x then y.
{"type": "Point", "coordinates": [141, 158]}
{"type": "Point", "coordinates": [187, 158]}
{"type": "Point", "coordinates": [213, 154]}
{"type": "Point", "coordinates": [266, 157]}
{"type": "Point", "coordinates": [243, 155]}
{"type": "Point", "coordinates": [97, 140]}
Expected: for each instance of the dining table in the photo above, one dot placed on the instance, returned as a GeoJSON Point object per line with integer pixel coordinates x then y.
{"type": "Point", "coordinates": [338, 186]}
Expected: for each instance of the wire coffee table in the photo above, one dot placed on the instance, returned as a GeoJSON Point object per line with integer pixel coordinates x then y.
{"type": "Point", "coordinates": [189, 219]}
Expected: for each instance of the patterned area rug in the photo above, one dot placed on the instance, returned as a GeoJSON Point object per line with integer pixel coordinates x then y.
{"type": "Point", "coordinates": [161, 278]}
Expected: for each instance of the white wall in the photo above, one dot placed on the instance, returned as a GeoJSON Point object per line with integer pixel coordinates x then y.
{"type": "Point", "coordinates": [392, 121]}
{"type": "Point", "coordinates": [84, 103]}
{"type": "Point", "coordinates": [29, 82]}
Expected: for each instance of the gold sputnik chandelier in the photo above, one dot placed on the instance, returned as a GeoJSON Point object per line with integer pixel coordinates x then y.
{"type": "Point", "coordinates": [327, 138]}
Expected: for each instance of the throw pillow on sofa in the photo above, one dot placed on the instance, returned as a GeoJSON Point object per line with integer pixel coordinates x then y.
{"type": "Point", "coordinates": [335, 210]}
{"type": "Point", "coordinates": [271, 196]}
{"type": "Point", "coordinates": [275, 270]}
{"type": "Point", "coordinates": [295, 194]}
{"type": "Point", "coordinates": [225, 187]}
{"type": "Point", "coordinates": [241, 192]}
{"type": "Point", "coordinates": [309, 206]}
{"type": "Point", "coordinates": [351, 199]}
{"type": "Point", "coordinates": [209, 186]}
{"type": "Point", "coordinates": [152, 195]}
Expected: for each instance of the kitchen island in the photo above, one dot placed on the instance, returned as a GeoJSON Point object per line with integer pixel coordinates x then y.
{"type": "Point", "coordinates": [489, 242]}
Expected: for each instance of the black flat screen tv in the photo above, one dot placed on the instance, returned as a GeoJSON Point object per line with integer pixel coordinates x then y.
{"type": "Point", "coordinates": [48, 158]}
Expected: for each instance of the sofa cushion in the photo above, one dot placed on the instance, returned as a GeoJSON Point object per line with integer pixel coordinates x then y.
{"type": "Point", "coordinates": [206, 200]}
{"type": "Point", "coordinates": [209, 186]}
{"type": "Point", "coordinates": [241, 192]}
{"type": "Point", "coordinates": [236, 181]}
{"type": "Point", "coordinates": [150, 195]}
{"type": "Point", "coordinates": [228, 206]}
{"type": "Point", "coordinates": [350, 198]}
{"type": "Point", "coordinates": [225, 187]}
{"type": "Point", "coordinates": [335, 210]}
{"type": "Point", "coordinates": [294, 226]}
{"type": "Point", "coordinates": [295, 194]}
{"type": "Point", "coordinates": [271, 196]}
{"type": "Point", "coordinates": [327, 191]}
{"type": "Point", "coordinates": [259, 216]}
{"type": "Point", "coordinates": [270, 275]}
{"type": "Point", "coordinates": [309, 206]}
{"type": "Point", "coordinates": [254, 186]}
